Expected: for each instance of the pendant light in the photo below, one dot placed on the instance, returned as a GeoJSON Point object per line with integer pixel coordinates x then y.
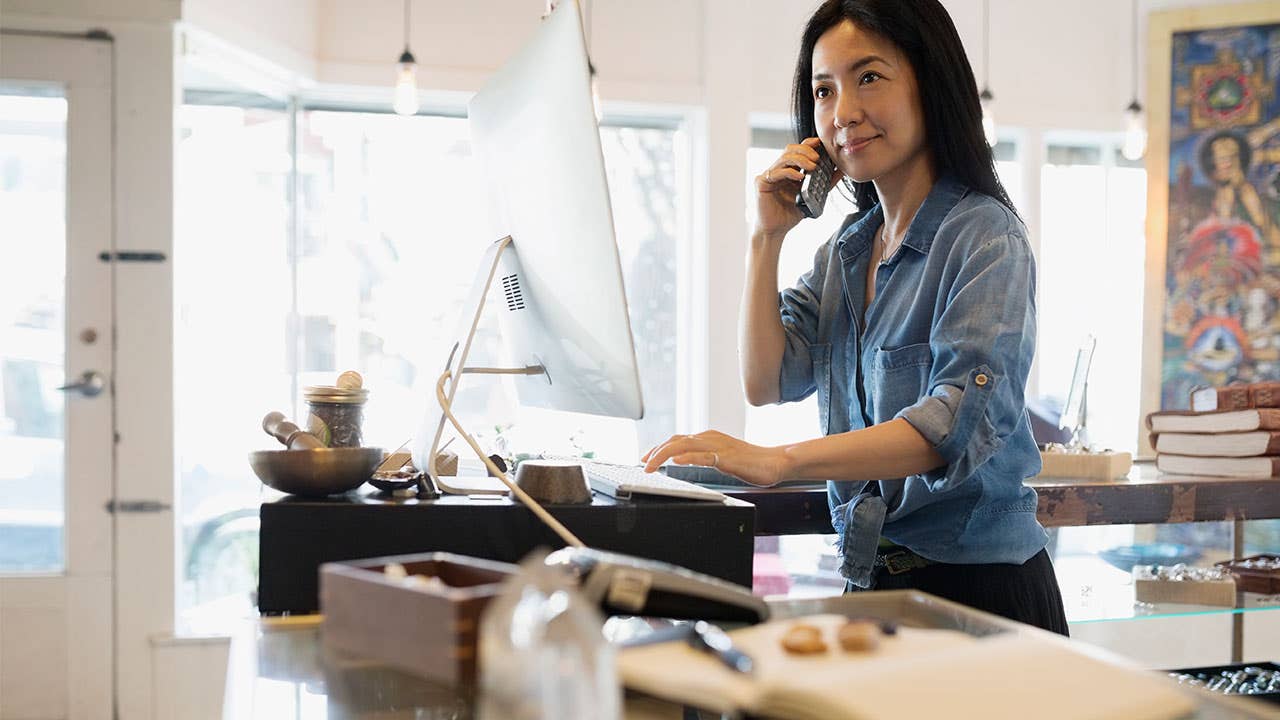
{"type": "Point", "coordinates": [406, 97]}
{"type": "Point", "coordinates": [1135, 134]}
{"type": "Point", "coordinates": [988, 116]}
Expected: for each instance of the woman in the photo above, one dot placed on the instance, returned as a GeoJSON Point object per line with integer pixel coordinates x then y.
{"type": "Point", "coordinates": [915, 327]}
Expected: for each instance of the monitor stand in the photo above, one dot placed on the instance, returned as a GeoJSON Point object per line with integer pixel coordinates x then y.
{"type": "Point", "coordinates": [447, 387]}
{"type": "Point", "coordinates": [455, 367]}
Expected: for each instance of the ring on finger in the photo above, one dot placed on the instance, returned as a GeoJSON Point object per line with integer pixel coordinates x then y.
{"type": "Point", "coordinates": [715, 459]}
{"type": "Point", "coordinates": [768, 175]}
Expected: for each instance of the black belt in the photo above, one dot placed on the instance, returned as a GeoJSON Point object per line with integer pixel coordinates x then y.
{"type": "Point", "coordinates": [898, 560]}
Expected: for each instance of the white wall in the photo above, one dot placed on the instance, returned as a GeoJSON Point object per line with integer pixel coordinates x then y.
{"type": "Point", "coordinates": [282, 32]}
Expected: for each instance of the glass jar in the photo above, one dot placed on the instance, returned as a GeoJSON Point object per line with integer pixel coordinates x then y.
{"type": "Point", "coordinates": [336, 415]}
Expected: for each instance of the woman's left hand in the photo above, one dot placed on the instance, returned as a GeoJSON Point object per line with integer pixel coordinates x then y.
{"type": "Point", "coordinates": [750, 463]}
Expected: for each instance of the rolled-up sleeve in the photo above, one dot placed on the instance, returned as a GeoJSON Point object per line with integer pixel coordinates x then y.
{"type": "Point", "coordinates": [982, 342]}
{"type": "Point", "coordinates": [799, 306]}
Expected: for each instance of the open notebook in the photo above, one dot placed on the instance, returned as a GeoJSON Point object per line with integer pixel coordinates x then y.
{"type": "Point", "coordinates": [916, 673]}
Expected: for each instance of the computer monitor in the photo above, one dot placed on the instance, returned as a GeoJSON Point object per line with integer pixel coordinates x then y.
{"type": "Point", "coordinates": [1074, 409]}
{"type": "Point", "coordinates": [562, 307]}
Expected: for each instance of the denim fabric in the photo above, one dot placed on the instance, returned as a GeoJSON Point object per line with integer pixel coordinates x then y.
{"type": "Point", "coordinates": [946, 345]}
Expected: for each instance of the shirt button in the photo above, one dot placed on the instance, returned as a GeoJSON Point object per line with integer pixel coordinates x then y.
{"type": "Point", "coordinates": [980, 380]}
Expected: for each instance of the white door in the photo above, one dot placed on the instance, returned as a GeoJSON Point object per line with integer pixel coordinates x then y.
{"type": "Point", "coordinates": [56, 461]}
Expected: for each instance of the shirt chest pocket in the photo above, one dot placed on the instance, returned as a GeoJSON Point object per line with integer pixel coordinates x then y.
{"type": "Point", "coordinates": [897, 378]}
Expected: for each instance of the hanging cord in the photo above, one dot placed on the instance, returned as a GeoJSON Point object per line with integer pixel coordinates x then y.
{"type": "Point", "coordinates": [986, 44]}
{"type": "Point", "coordinates": [1134, 5]}
{"type": "Point", "coordinates": [569, 538]}
{"type": "Point", "coordinates": [406, 24]}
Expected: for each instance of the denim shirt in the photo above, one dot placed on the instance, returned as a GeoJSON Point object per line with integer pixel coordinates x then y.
{"type": "Point", "coordinates": [946, 344]}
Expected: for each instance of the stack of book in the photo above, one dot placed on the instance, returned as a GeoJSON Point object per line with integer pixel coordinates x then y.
{"type": "Point", "coordinates": [1228, 432]}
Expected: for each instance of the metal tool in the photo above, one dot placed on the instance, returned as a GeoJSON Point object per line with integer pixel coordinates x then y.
{"type": "Point", "coordinates": [710, 638]}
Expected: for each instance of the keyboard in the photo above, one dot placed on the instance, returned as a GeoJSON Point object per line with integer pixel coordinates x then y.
{"type": "Point", "coordinates": [623, 481]}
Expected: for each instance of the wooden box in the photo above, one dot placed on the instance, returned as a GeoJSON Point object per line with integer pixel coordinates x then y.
{"type": "Point", "coordinates": [424, 629]}
{"type": "Point", "coordinates": [1106, 465]}
{"type": "Point", "coordinates": [1149, 589]}
{"type": "Point", "coordinates": [1265, 581]}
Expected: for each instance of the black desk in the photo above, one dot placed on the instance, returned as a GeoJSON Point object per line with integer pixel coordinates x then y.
{"type": "Point", "coordinates": [298, 534]}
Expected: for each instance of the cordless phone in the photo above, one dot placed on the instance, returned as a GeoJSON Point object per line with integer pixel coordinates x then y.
{"type": "Point", "coordinates": [816, 185]}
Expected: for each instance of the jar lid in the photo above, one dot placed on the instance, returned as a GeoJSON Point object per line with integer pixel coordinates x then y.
{"type": "Point", "coordinates": [336, 395]}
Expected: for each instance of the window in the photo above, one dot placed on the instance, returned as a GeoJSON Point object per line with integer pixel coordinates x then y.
{"type": "Point", "coordinates": [389, 217]}
{"type": "Point", "coordinates": [1009, 170]}
{"type": "Point", "coordinates": [789, 422]}
{"type": "Point", "coordinates": [33, 203]}
{"type": "Point", "coordinates": [232, 298]}
{"type": "Point", "coordinates": [1092, 208]}
{"type": "Point", "coordinates": [368, 270]}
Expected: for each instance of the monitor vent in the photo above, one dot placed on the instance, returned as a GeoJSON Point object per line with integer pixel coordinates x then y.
{"type": "Point", "coordinates": [511, 288]}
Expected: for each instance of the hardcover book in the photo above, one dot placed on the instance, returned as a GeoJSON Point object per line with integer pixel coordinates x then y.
{"type": "Point", "coordinates": [1217, 421]}
{"type": "Point", "coordinates": [1237, 397]}
{"type": "Point", "coordinates": [1241, 444]}
{"type": "Point", "coordinates": [1238, 467]}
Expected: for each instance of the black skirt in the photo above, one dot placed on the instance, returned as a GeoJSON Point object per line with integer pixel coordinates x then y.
{"type": "Point", "coordinates": [1027, 593]}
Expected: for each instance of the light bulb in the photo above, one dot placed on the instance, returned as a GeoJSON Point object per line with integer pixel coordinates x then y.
{"type": "Point", "coordinates": [988, 117]}
{"type": "Point", "coordinates": [1135, 134]}
{"type": "Point", "coordinates": [406, 97]}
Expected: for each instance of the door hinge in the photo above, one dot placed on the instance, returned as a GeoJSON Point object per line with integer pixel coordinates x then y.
{"type": "Point", "coordinates": [137, 506]}
{"type": "Point", "coordinates": [145, 256]}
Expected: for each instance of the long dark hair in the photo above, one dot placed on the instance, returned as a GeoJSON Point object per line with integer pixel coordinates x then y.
{"type": "Point", "coordinates": [923, 31]}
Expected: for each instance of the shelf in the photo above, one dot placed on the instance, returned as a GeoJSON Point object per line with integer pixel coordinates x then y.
{"type": "Point", "coordinates": [1094, 591]}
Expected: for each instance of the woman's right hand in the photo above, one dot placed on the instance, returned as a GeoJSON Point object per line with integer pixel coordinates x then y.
{"type": "Point", "coordinates": [777, 187]}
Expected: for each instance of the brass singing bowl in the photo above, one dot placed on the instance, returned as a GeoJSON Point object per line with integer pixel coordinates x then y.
{"type": "Point", "coordinates": [315, 473]}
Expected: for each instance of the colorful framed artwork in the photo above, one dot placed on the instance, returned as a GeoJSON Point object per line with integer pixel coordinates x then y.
{"type": "Point", "coordinates": [1212, 314]}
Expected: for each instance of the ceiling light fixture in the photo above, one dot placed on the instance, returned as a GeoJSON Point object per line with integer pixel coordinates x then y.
{"type": "Point", "coordinates": [1135, 134]}
{"type": "Point", "coordinates": [988, 116]}
{"type": "Point", "coordinates": [406, 96]}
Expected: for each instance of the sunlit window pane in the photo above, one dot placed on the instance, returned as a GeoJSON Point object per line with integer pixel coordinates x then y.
{"type": "Point", "coordinates": [1091, 251]}
{"type": "Point", "coordinates": [232, 297]}
{"type": "Point", "coordinates": [33, 202]}
{"type": "Point", "coordinates": [790, 422]}
{"type": "Point", "coordinates": [390, 208]}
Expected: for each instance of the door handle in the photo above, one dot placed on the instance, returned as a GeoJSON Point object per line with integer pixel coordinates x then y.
{"type": "Point", "coordinates": [90, 384]}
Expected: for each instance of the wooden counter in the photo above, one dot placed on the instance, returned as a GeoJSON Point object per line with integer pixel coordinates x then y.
{"type": "Point", "coordinates": [1144, 497]}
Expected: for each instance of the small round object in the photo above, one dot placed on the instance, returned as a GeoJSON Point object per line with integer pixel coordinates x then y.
{"type": "Point", "coordinates": [715, 460]}
{"type": "Point", "coordinates": [554, 481]}
{"type": "Point", "coordinates": [394, 482]}
{"type": "Point", "coordinates": [859, 636]}
{"type": "Point", "coordinates": [801, 639]}
{"type": "Point", "coordinates": [350, 380]}
{"type": "Point", "coordinates": [980, 380]}
{"type": "Point", "coordinates": [498, 462]}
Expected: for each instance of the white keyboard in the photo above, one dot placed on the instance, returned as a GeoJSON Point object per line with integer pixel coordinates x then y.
{"type": "Point", "coordinates": [622, 481]}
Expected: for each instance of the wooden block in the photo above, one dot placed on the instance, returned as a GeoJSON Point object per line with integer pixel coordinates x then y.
{"type": "Point", "coordinates": [395, 461]}
{"type": "Point", "coordinates": [1088, 465]}
{"type": "Point", "coordinates": [446, 462]}
{"type": "Point", "coordinates": [1221, 593]}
